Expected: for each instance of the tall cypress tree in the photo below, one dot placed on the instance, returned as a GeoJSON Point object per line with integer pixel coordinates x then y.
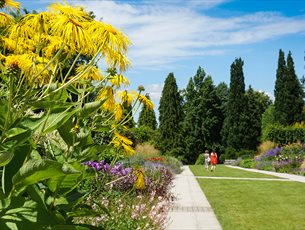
{"type": "Point", "coordinates": [255, 107]}
{"type": "Point", "coordinates": [147, 117]}
{"type": "Point", "coordinates": [203, 116]}
{"type": "Point", "coordinates": [288, 92]}
{"type": "Point", "coordinates": [170, 117]}
{"type": "Point", "coordinates": [281, 92]}
{"type": "Point", "coordinates": [235, 125]}
{"type": "Point", "coordinates": [295, 101]}
{"type": "Point", "coordinates": [192, 124]}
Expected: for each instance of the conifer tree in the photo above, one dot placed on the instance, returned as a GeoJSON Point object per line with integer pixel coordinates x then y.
{"type": "Point", "coordinates": [280, 90]}
{"type": "Point", "coordinates": [203, 116]}
{"type": "Point", "coordinates": [288, 92]}
{"type": "Point", "coordinates": [170, 117]}
{"type": "Point", "coordinates": [235, 124]}
{"type": "Point", "coordinates": [295, 100]}
{"type": "Point", "coordinates": [147, 117]}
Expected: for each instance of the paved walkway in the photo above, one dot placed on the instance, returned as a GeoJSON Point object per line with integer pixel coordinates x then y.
{"type": "Point", "coordinates": [191, 210]}
{"type": "Point", "coordinates": [282, 175]}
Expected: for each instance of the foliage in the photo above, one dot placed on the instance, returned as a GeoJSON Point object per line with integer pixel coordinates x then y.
{"type": "Point", "coordinates": [170, 117]}
{"type": "Point", "coordinates": [203, 116]}
{"type": "Point", "coordinates": [268, 119]}
{"type": "Point", "coordinates": [200, 160]}
{"type": "Point", "coordinates": [53, 100]}
{"type": "Point", "coordinates": [288, 92]}
{"type": "Point", "coordinates": [147, 117]}
{"type": "Point", "coordinates": [247, 163]}
{"type": "Point", "coordinates": [143, 134]}
{"type": "Point", "coordinates": [265, 146]}
{"type": "Point", "coordinates": [284, 134]}
{"type": "Point", "coordinates": [235, 124]}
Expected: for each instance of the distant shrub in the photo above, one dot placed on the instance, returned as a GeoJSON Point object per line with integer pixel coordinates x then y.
{"type": "Point", "coordinates": [245, 153]}
{"type": "Point", "coordinates": [247, 163]}
{"type": "Point", "coordinates": [265, 146]}
{"type": "Point", "coordinates": [147, 150]}
{"type": "Point", "coordinates": [200, 160]}
{"type": "Point", "coordinates": [285, 134]}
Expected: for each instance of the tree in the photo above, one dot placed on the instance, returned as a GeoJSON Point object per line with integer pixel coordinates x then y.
{"type": "Point", "coordinates": [288, 92]}
{"type": "Point", "coordinates": [235, 123]}
{"type": "Point", "coordinates": [203, 116]}
{"type": "Point", "coordinates": [147, 117]}
{"type": "Point", "coordinates": [257, 103]}
{"type": "Point", "coordinates": [295, 101]}
{"type": "Point", "coordinates": [170, 117]}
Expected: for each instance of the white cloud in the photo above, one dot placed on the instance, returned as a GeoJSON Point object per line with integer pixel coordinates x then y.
{"type": "Point", "coordinates": [162, 34]}
{"type": "Point", "coordinates": [154, 91]}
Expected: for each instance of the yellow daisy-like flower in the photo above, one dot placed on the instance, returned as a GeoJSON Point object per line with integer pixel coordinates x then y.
{"type": "Point", "coordinates": [89, 72]}
{"type": "Point", "coordinates": [118, 80]}
{"type": "Point", "coordinates": [9, 4]}
{"type": "Point", "coordinates": [140, 181]}
{"type": "Point", "coordinates": [31, 65]}
{"type": "Point", "coordinates": [148, 103]}
{"type": "Point", "coordinates": [118, 112]}
{"type": "Point", "coordinates": [37, 22]}
{"type": "Point", "coordinates": [127, 97]}
{"type": "Point", "coordinates": [122, 142]}
{"type": "Point", "coordinates": [5, 19]}
{"type": "Point", "coordinates": [107, 94]}
{"type": "Point", "coordinates": [73, 12]}
{"type": "Point", "coordinates": [72, 33]}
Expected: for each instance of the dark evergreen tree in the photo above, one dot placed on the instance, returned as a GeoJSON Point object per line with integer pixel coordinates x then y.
{"type": "Point", "coordinates": [257, 103]}
{"type": "Point", "coordinates": [235, 123]}
{"type": "Point", "coordinates": [288, 92]}
{"type": "Point", "coordinates": [280, 90]}
{"type": "Point", "coordinates": [170, 117]}
{"type": "Point", "coordinates": [192, 124]}
{"type": "Point", "coordinates": [212, 117]}
{"type": "Point", "coordinates": [295, 101]}
{"type": "Point", "coordinates": [147, 117]}
{"type": "Point", "coordinates": [202, 123]}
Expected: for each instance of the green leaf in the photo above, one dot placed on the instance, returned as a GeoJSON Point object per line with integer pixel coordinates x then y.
{"type": "Point", "coordinates": [5, 158]}
{"type": "Point", "coordinates": [51, 104]}
{"type": "Point", "coordinates": [71, 227]}
{"type": "Point", "coordinates": [34, 171]}
{"type": "Point", "coordinates": [20, 154]}
{"type": "Point", "coordinates": [80, 212]}
{"type": "Point", "coordinates": [65, 132]}
{"type": "Point", "coordinates": [90, 108]}
{"type": "Point", "coordinates": [19, 135]}
{"type": "Point", "coordinates": [66, 183]}
{"type": "Point", "coordinates": [55, 120]}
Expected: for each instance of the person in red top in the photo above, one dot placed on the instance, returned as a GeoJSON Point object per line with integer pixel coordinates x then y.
{"type": "Point", "coordinates": [213, 160]}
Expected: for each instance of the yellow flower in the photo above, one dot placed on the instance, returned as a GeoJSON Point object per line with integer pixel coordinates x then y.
{"type": "Point", "coordinates": [122, 142]}
{"type": "Point", "coordinates": [5, 20]}
{"type": "Point", "coordinates": [9, 4]}
{"type": "Point", "coordinates": [140, 181]}
{"type": "Point", "coordinates": [118, 80]}
{"type": "Point", "coordinates": [75, 12]}
{"type": "Point", "coordinates": [143, 99]}
{"type": "Point", "coordinates": [31, 65]}
{"type": "Point", "coordinates": [72, 33]}
{"type": "Point", "coordinates": [118, 112]}
{"type": "Point", "coordinates": [89, 72]}
{"type": "Point", "coordinates": [107, 94]}
{"type": "Point", "coordinates": [126, 97]}
{"type": "Point", "coordinates": [37, 22]}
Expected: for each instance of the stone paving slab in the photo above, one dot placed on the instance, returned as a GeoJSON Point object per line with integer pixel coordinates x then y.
{"type": "Point", "coordinates": [191, 210]}
{"type": "Point", "coordinates": [282, 175]}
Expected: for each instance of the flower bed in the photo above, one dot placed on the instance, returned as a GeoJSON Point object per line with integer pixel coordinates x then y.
{"type": "Point", "coordinates": [131, 197]}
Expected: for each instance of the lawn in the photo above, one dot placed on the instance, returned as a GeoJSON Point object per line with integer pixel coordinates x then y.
{"type": "Point", "coordinates": [258, 205]}
{"type": "Point", "coordinates": [223, 171]}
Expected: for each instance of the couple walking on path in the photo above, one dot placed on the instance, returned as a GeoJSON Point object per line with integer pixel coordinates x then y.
{"type": "Point", "coordinates": [210, 158]}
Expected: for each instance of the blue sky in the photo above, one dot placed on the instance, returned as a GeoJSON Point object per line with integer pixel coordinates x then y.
{"type": "Point", "coordinates": [180, 35]}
